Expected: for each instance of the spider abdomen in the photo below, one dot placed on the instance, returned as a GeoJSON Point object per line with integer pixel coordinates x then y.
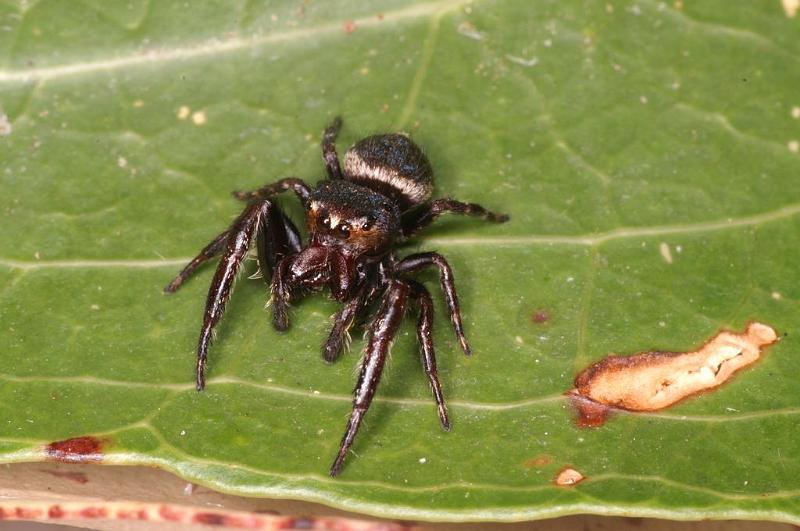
{"type": "Point", "coordinates": [393, 165]}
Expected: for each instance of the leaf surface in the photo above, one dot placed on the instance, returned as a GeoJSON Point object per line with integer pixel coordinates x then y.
{"type": "Point", "coordinates": [646, 151]}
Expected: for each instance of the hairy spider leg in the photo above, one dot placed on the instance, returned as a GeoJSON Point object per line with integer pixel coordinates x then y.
{"type": "Point", "coordinates": [277, 237]}
{"type": "Point", "coordinates": [241, 234]}
{"type": "Point", "coordinates": [422, 297]}
{"type": "Point", "coordinates": [415, 262]}
{"type": "Point", "coordinates": [329, 155]}
{"type": "Point", "coordinates": [268, 190]}
{"type": "Point", "coordinates": [342, 322]}
{"type": "Point", "coordinates": [279, 295]}
{"type": "Point", "coordinates": [380, 335]}
{"type": "Point", "coordinates": [417, 219]}
{"type": "Point", "coordinates": [208, 252]}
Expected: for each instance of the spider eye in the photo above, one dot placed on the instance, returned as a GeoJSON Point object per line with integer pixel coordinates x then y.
{"type": "Point", "coordinates": [367, 224]}
{"type": "Point", "coordinates": [344, 230]}
{"type": "Point", "coordinates": [326, 222]}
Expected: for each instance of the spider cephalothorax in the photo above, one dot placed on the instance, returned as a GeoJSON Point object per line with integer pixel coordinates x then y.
{"type": "Point", "coordinates": [354, 218]}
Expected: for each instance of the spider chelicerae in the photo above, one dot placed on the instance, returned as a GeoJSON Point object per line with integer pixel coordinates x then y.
{"type": "Point", "coordinates": [355, 218]}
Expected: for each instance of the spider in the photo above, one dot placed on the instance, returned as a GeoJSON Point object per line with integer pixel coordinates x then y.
{"type": "Point", "coordinates": [355, 218]}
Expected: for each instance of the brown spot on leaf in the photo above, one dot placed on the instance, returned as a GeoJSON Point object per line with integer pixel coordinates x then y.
{"type": "Point", "coordinates": [650, 381]}
{"type": "Point", "coordinates": [76, 450]}
{"type": "Point", "coordinates": [538, 461]}
{"type": "Point", "coordinates": [540, 317]}
{"type": "Point", "coordinates": [590, 414]}
{"type": "Point", "coordinates": [568, 477]}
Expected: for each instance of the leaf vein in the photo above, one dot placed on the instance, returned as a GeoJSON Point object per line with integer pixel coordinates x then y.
{"type": "Point", "coordinates": [217, 46]}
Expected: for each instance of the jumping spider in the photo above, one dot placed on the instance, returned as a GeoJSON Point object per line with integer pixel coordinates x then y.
{"type": "Point", "coordinates": [355, 218]}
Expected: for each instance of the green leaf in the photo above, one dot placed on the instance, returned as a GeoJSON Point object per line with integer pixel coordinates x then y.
{"type": "Point", "coordinates": [608, 130]}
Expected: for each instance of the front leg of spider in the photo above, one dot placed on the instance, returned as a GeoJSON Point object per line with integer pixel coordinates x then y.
{"type": "Point", "coordinates": [241, 234]}
{"type": "Point", "coordinates": [342, 321]}
{"type": "Point", "coordinates": [262, 220]}
{"type": "Point", "coordinates": [379, 337]}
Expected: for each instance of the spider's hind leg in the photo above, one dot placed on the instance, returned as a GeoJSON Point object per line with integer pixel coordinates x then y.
{"type": "Point", "coordinates": [422, 297]}
{"type": "Point", "coordinates": [381, 333]}
{"type": "Point", "coordinates": [419, 218]}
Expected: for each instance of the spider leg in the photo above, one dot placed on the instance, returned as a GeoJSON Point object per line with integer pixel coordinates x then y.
{"type": "Point", "coordinates": [329, 149]}
{"type": "Point", "coordinates": [208, 252]}
{"type": "Point", "coordinates": [342, 321]}
{"type": "Point", "coordinates": [416, 262]}
{"type": "Point", "coordinates": [422, 297]}
{"type": "Point", "coordinates": [381, 333]}
{"type": "Point", "coordinates": [268, 190]}
{"type": "Point", "coordinates": [277, 237]}
{"type": "Point", "coordinates": [417, 219]}
{"type": "Point", "coordinates": [308, 268]}
{"type": "Point", "coordinates": [280, 291]}
{"type": "Point", "coordinates": [241, 234]}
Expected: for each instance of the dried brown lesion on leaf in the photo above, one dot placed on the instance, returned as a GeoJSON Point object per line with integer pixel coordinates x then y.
{"type": "Point", "coordinates": [568, 477]}
{"type": "Point", "coordinates": [83, 449]}
{"type": "Point", "coordinates": [649, 381]}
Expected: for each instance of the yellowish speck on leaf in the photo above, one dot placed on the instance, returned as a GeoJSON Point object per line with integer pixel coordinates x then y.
{"type": "Point", "coordinates": [199, 118]}
{"type": "Point", "coordinates": [790, 7]}
{"type": "Point", "coordinates": [666, 254]}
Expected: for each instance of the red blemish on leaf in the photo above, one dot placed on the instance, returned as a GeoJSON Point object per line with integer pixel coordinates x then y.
{"type": "Point", "coordinates": [77, 477]}
{"type": "Point", "coordinates": [538, 461]}
{"type": "Point", "coordinates": [55, 511]}
{"type": "Point", "coordinates": [540, 317]}
{"type": "Point", "coordinates": [76, 450]}
{"type": "Point", "coordinates": [349, 26]}
{"type": "Point", "coordinates": [590, 414]}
